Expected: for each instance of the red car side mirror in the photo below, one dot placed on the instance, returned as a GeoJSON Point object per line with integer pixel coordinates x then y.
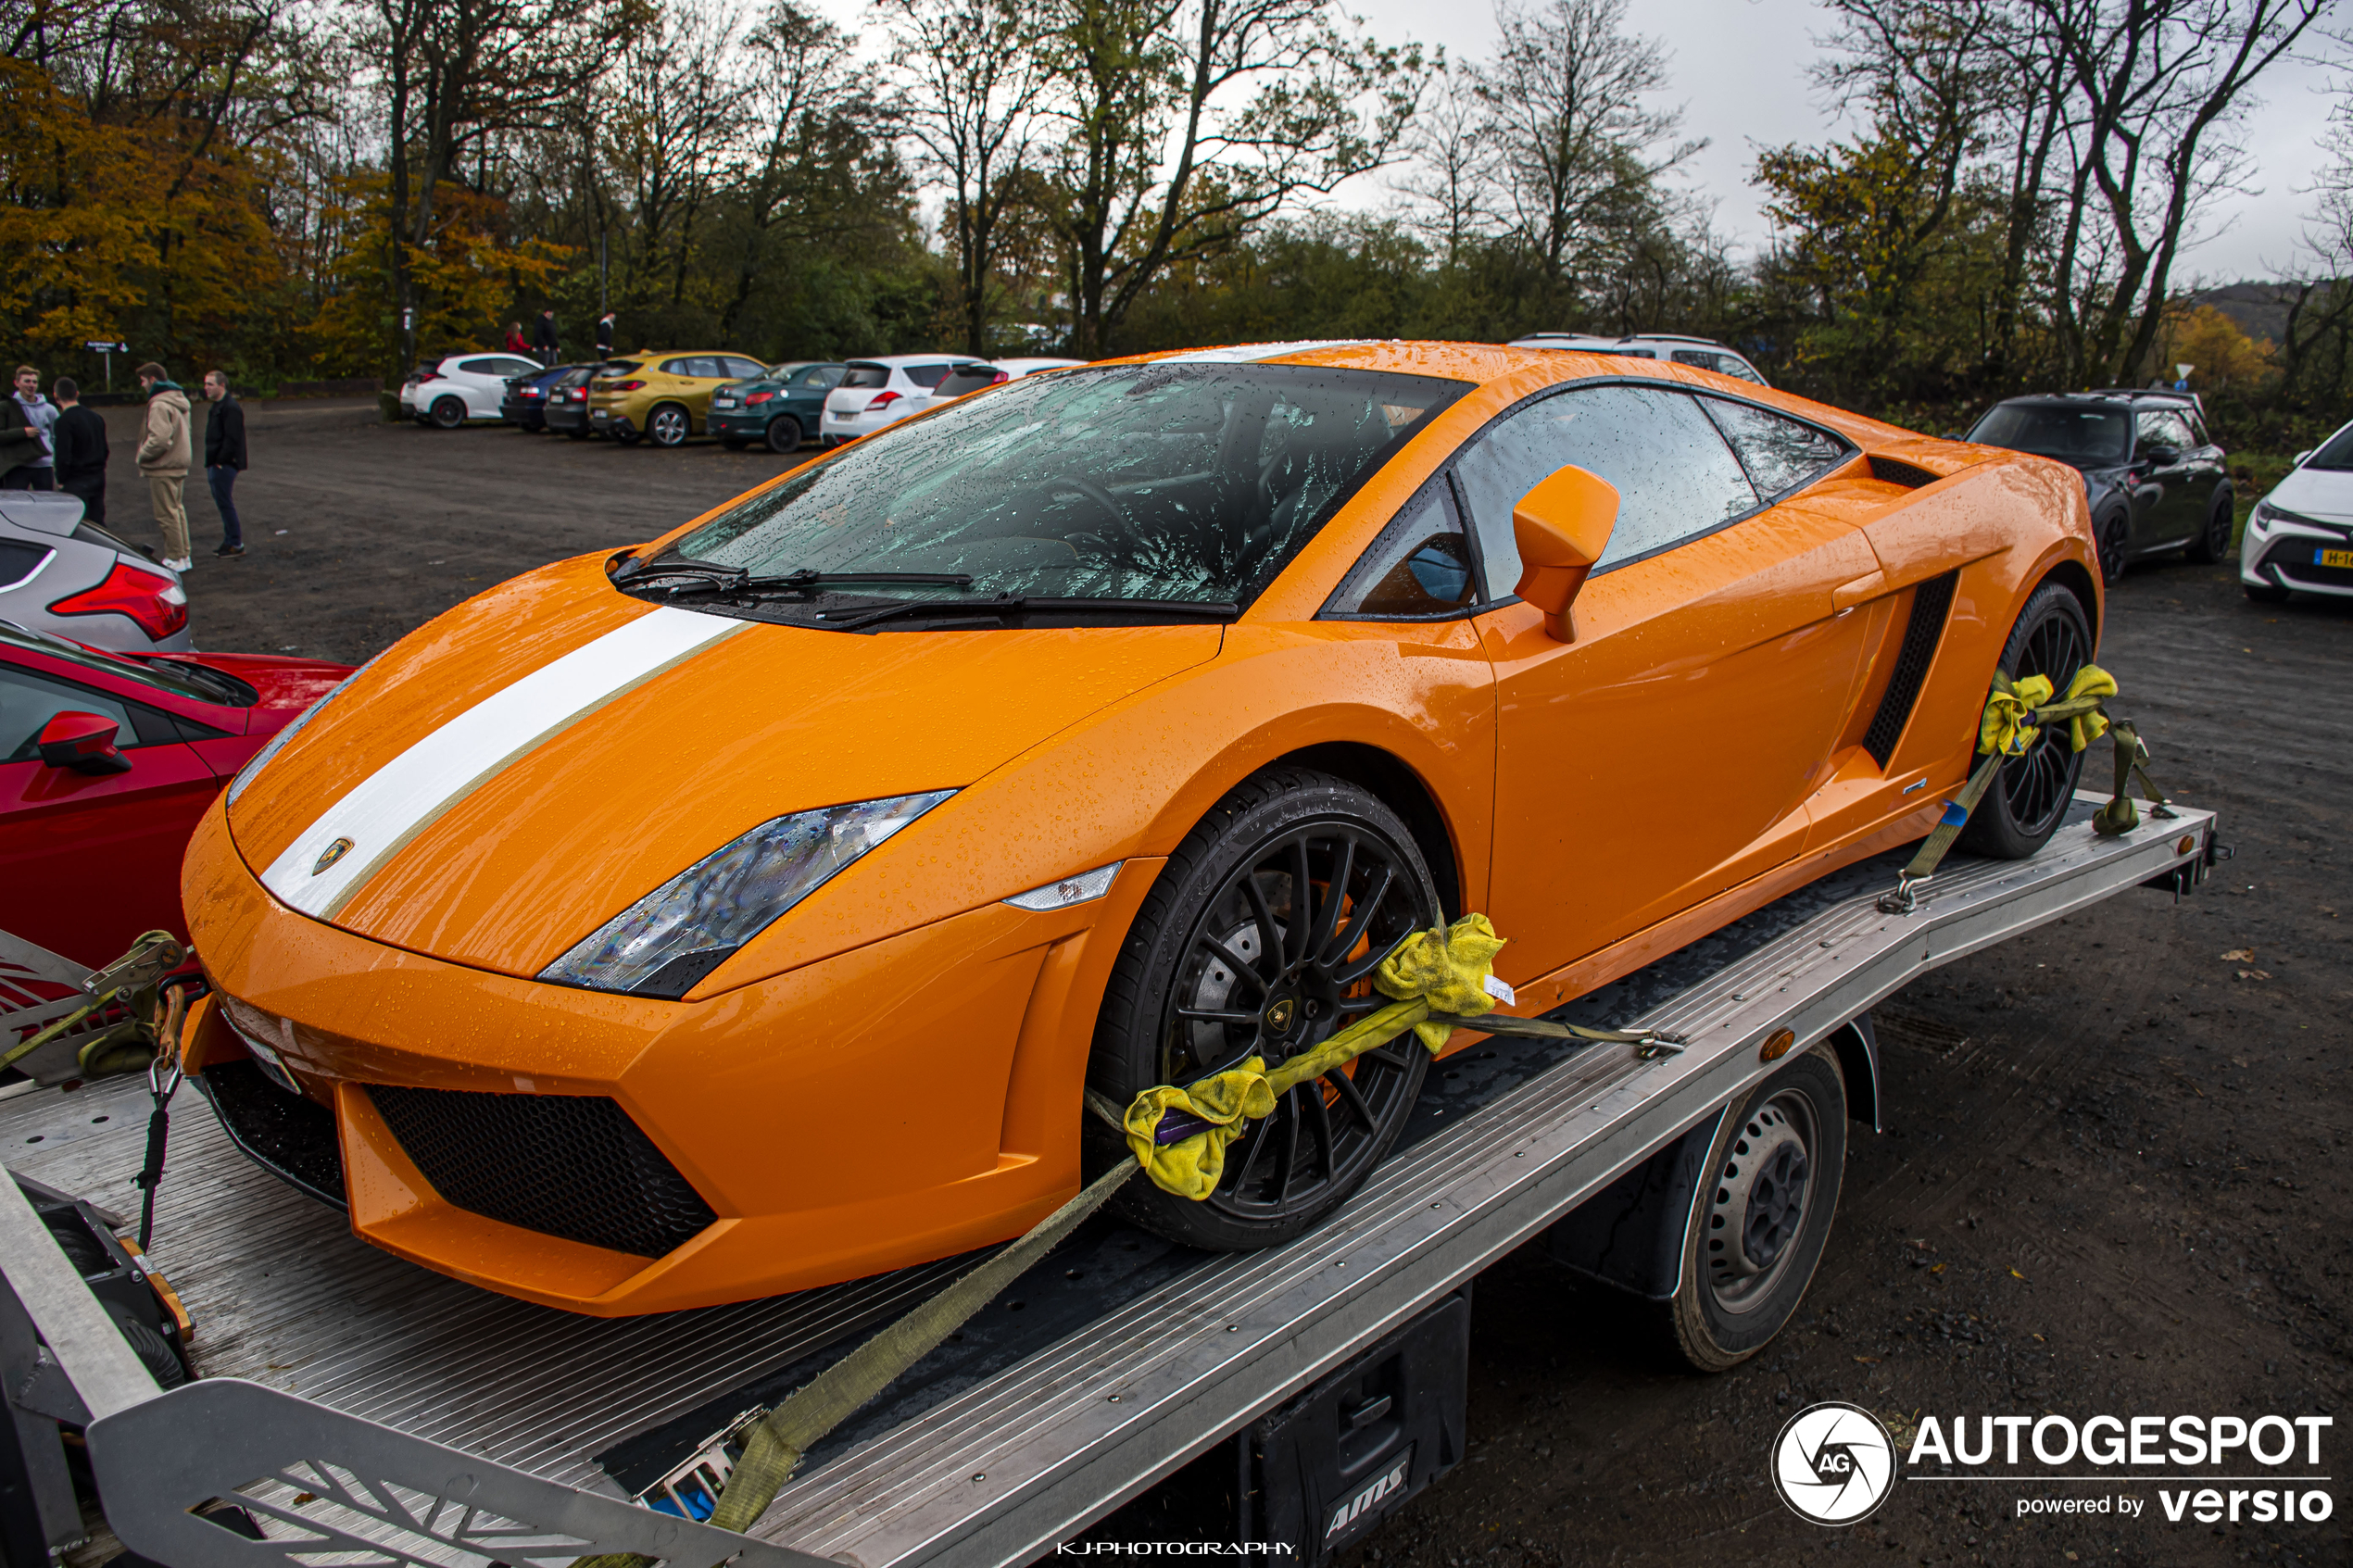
{"type": "Point", "coordinates": [1562, 527]}
{"type": "Point", "coordinates": [84, 742]}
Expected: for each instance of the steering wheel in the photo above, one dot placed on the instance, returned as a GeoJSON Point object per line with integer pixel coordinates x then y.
{"type": "Point", "coordinates": [1117, 540]}
{"type": "Point", "coordinates": [1094, 492]}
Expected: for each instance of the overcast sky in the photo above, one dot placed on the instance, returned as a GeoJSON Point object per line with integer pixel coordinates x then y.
{"type": "Point", "coordinates": [1738, 68]}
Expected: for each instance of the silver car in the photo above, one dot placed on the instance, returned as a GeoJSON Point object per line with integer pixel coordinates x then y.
{"type": "Point", "coordinates": [72, 579]}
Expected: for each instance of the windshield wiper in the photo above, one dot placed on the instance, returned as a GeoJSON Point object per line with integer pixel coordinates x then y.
{"type": "Point", "coordinates": [740, 579]}
{"type": "Point", "coordinates": [682, 567]}
{"type": "Point", "coordinates": [1012, 604]}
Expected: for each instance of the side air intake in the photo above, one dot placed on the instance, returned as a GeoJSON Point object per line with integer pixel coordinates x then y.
{"type": "Point", "coordinates": [1931, 605]}
{"type": "Point", "coordinates": [1896, 470]}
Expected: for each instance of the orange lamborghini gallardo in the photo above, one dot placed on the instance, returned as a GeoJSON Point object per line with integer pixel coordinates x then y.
{"type": "Point", "coordinates": [749, 909]}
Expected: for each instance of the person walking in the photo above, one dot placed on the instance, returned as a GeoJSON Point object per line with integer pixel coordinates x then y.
{"type": "Point", "coordinates": [224, 458]}
{"type": "Point", "coordinates": [604, 335]}
{"type": "Point", "coordinates": [33, 466]}
{"type": "Point", "coordinates": [163, 457]}
{"type": "Point", "coordinates": [516, 342]}
{"type": "Point", "coordinates": [543, 338]}
{"type": "Point", "coordinates": [79, 442]}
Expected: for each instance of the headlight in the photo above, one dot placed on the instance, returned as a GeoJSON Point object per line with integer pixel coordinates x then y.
{"type": "Point", "coordinates": [667, 941]}
{"type": "Point", "coordinates": [2262, 517]}
{"type": "Point", "coordinates": [261, 760]}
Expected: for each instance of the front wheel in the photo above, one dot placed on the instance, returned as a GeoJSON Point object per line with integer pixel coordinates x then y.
{"type": "Point", "coordinates": [1260, 938]}
{"type": "Point", "coordinates": [2030, 795]}
{"type": "Point", "coordinates": [783, 433]}
{"type": "Point", "coordinates": [669, 425]}
{"type": "Point", "coordinates": [2213, 540]}
{"type": "Point", "coordinates": [1763, 1214]}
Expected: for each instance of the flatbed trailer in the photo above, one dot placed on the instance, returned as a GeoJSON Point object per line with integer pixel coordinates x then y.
{"type": "Point", "coordinates": [335, 1378]}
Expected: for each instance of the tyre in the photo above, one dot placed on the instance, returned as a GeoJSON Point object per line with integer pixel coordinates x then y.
{"type": "Point", "coordinates": [1769, 1193]}
{"type": "Point", "coordinates": [783, 433]}
{"type": "Point", "coordinates": [1260, 938]}
{"type": "Point", "coordinates": [2213, 540]}
{"type": "Point", "coordinates": [669, 425]}
{"type": "Point", "coordinates": [2115, 535]}
{"type": "Point", "coordinates": [447, 413]}
{"type": "Point", "coordinates": [2030, 796]}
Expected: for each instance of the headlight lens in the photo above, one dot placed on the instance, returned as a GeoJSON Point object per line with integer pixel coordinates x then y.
{"type": "Point", "coordinates": [261, 760]}
{"type": "Point", "coordinates": [667, 941]}
{"type": "Point", "coordinates": [2260, 518]}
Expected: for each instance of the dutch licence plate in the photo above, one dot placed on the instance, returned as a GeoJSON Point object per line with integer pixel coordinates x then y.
{"type": "Point", "coordinates": [2332, 557]}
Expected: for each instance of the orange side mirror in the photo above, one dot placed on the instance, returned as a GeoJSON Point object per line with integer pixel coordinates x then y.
{"type": "Point", "coordinates": [1562, 526]}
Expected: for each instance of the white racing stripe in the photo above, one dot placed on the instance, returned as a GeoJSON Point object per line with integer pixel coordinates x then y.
{"type": "Point", "coordinates": [408, 794]}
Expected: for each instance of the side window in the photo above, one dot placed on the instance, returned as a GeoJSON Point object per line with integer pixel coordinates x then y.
{"type": "Point", "coordinates": [19, 560]}
{"type": "Point", "coordinates": [736, 368]}
{"type": "Point", "coordinates": [1419, 568]}
{"type": "Point", "coordinates": [2162, 427]}
{"type": "Point", "coordinates": [927, 376]}
{"type": "Point", "coordinates": [1676, 478]}
{"type": "Point", "coordinates": [677, 366]}
{"type": "Point", "coordinates": [29, 701]}
{"type": "Point", "coordinates": [1780, 454]}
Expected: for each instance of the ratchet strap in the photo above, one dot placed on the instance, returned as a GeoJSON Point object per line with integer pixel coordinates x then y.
{"type": "Point", "coordinates": [132, 978]}
{"type": "Point", "coordinates": [1440, 978]}
{"type": "Point", "coordinates": [2009, 728]}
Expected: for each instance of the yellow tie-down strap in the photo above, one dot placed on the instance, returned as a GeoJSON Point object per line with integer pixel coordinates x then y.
{"type": "Point", "coordinates": [1441, 979]}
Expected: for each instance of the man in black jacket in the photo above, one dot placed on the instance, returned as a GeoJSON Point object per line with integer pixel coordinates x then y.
{"type": "Point", "coordinates": [224, 458]}
{"type": "Point", "coordinates": [80, 436]}
{"type": "Point", "coordinates": [543, 338]}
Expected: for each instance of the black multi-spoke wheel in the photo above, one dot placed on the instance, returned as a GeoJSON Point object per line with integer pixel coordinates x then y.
{"type": "Point", "coordinates": [2213, 540]}
{"type": "Point", "coordinates": [2028, 801]}
{"type": "Point", "coordinates": [2115, 535]}
{"type": "Point", "coordinates": [1260, 939]}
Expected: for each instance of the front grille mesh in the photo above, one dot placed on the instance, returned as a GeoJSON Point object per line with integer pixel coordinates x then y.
{"type": "Point", "coordinates": [1932, 602]}
{"type": "Point", "coordinates": [568, 1165]}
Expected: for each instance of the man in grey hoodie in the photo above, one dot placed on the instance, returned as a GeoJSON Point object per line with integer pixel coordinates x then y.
{"type": "Point", "coordinates": [163, 457]}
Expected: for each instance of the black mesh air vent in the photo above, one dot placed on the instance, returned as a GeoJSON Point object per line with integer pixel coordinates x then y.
{"type": "Point", "coordinates": [568, 1165]}
{"type": "Point", "coordinates": [292, 1137]}
{"type": "Point", "coordinates": [1896, 470]}
{"type": "Point", "coordinates": [1931, 603]}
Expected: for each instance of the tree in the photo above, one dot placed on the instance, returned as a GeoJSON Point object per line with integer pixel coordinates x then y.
{"type": "Point", "coordinates": [1185, 124]}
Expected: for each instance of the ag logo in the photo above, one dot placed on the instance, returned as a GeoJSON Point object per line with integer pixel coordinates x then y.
{"type": "Point", "coordinates": [333, 853]}
{"type": "Point", "coordinates": [1833, 1464]}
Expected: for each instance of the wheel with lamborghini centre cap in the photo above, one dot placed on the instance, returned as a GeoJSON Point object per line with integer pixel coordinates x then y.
{"type": "Point", "coordinates": [2030, 796]}
{"type": "Point", "coordinates": [1260, 939]}
{"type": "Point", "coordinates": [1762, 1214]}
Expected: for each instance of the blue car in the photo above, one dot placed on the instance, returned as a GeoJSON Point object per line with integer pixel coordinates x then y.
{"type": "Point", "coordinates": [525, 403]}
{"type": "Point", "coordinates": [780, 409]}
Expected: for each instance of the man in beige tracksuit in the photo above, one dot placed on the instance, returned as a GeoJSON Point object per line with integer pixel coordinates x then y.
{"type": "Point", "coordinates": [163, 457]}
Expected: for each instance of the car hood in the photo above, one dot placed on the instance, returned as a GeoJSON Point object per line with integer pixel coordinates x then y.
{"type": "Point", "coordinates": [2325, 494]}
{"type": "Point", "coordinates": [508, 779]}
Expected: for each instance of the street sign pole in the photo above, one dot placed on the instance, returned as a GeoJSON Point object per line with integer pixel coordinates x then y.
{"type": "Point", "coordinates": [107, 351]}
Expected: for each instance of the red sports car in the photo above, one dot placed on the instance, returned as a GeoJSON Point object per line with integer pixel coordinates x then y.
{"type": "Point", "coordinates": [107, 760]}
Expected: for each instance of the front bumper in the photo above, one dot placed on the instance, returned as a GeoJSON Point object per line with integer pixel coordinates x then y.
{"type": "Point", "coordinates": [898, 1103]}
{"type": "Point", "coordinates": [2286, 555]}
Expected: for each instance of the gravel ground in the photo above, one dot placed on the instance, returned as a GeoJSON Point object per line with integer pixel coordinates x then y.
{"type": "Point", "coordinates": [2114, 1179]}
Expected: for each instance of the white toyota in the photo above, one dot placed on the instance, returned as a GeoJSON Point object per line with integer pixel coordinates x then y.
{"type": "Point", "coordinates": [448, 391]}
{"type": "Point", "coordinates": [2300, 537]}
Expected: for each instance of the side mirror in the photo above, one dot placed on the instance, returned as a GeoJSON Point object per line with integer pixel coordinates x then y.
{"type": "Point", "coordinates": [2163, 457]}
{"type": "Point", "coordinates": [1562, 526]}
{"type": "Point", "coordinates": [84, 742]}
{"type": "Point", "coordinates": [2301, 457]}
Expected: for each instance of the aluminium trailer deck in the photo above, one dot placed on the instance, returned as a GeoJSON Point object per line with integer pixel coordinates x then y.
{"type": "Point", "coordinates": [1100, 1371]}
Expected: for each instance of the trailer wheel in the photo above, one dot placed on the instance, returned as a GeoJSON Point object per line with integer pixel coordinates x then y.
{"type": "Point", "coordinates": [1260, 938]}
{"type": "Point", "coordinates": [1763, 1215]}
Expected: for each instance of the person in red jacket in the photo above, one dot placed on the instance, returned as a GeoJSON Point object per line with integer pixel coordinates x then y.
{"type": "Point", "coordinates": [516, 342]}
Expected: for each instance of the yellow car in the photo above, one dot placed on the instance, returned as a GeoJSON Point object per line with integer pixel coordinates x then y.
{"type": "Point", "coordinates": [664, 395]}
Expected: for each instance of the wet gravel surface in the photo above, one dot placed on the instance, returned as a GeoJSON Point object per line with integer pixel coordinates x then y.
{"type": "Point", "coordinates": [2115, 1174]}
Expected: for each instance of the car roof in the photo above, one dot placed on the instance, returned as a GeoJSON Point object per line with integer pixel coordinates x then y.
{"type": "Point", "coordinates": [897, 361]}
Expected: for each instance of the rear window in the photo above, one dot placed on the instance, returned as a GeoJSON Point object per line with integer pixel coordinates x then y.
{"type": "Point", "coordinates": [867, 375]}
{"type": "Point", "coordinates": [618, 367]}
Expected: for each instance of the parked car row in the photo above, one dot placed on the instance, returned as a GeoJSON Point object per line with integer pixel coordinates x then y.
{"type": "Point", "coordinates": [669, 397]}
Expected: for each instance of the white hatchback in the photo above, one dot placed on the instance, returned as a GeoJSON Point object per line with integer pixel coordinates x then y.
{"type": "Point", "coordinates": [1701, 353]}
{"type": "Point", "coordinates": [2300, 537]}
{"type": "Point", "coordinates": [875, 394]}
{"type": "Point", "coordinates": [450, 391]}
